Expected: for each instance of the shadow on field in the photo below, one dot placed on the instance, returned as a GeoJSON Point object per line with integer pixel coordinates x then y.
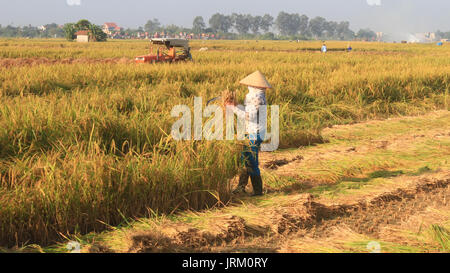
{"type": "Point", "coordinates": [303, 186]}
{"type": "Point", "coordinates": [295, 139]}
{"type": "Point", "coordinates": [373, 175]}
{"type": "Point", "coordinates": [386, 174]}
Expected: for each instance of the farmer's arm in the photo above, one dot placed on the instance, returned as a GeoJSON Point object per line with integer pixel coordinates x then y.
{"type": "Point", "coordinates": [239, 111]}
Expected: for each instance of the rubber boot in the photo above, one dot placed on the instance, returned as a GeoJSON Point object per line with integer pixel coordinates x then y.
{"type": "Point", "coordinates": [243, 181]}
{"type": "Point", "coordinates": [257, 185]}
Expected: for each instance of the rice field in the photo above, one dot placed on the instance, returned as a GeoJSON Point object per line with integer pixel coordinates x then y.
{"type": "Point", "coordinates": [85, 133]}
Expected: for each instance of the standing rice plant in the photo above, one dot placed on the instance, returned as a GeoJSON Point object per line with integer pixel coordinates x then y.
{"type": "Point", "coordinates": [86, 143]}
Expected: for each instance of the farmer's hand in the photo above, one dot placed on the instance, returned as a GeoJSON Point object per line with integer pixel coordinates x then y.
{"type": "Point", "coordinates": [231, 103]}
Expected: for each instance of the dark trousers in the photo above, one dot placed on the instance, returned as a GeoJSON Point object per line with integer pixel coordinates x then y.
{"type": "Point", "coordinates": [249, 157]}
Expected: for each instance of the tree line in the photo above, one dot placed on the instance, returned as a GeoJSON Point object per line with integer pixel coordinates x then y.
{"type": "Point", "coordinates": [234, 26]}
{"type": "Point", "coordinates": [55, 31]}
{"type": "Point", "coordinates": [47, 31]}
{"type": "Point", "coordinates": [287, 25]}
{"type": "Point", "coordinates": [443, 35]}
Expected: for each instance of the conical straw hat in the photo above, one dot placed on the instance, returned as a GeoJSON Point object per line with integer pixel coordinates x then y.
{"type": "Point", "coordinates": [256, 79]}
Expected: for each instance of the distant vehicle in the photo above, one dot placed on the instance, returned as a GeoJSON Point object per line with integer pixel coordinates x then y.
{"type": "Point", "coordinates": [168, 50]}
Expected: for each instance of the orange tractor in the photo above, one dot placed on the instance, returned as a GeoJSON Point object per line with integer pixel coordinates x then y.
{"type": "Point", "coordinates": [167, 51]}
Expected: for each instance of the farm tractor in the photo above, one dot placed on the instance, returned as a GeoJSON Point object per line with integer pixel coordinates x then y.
{"type": "Point", "coordinates": [167, 51]}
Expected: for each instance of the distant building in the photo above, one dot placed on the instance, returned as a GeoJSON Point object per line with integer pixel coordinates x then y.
{"type": "Point", "coordinates": [432, 36]}
{"type": "Point", "coordinates": [110, 28]}
{"type": "Point", "coordinates": [425, 37]}
{"type": "Point", "coordinates": [380, 36]}
{"type": "Point", "coordinates": [83, 36]}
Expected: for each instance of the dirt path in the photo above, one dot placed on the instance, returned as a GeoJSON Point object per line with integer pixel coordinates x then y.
{"type": "Point", "coordinates": [382, 182]}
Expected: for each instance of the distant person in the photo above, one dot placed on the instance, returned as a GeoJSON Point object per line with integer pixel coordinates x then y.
{"type": "Point", "coordinates": [324, 48]}
{"type": "Point", "coordinates": [349, 48]}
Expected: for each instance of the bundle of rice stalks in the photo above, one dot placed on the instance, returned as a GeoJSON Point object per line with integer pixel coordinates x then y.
{"type": "Point", "coordinates": [228, 97]}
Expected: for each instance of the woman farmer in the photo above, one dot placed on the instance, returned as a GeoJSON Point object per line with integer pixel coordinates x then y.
{"type": "Point", "coordinates": [256, 129]}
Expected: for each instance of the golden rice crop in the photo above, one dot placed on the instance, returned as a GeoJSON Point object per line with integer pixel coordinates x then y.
{"type": "Point", "coordinates": [86, 144]}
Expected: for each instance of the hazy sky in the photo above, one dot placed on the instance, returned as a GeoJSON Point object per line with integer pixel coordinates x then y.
{"type": "Point", "coordinates": [379, 15]}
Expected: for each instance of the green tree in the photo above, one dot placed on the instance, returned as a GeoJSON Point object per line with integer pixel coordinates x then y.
{"type": "Point", "coordinates": [304, 23]}
{"type": "Point", "coordinates": [70, 30]}
{"type": "Point", "coordinates": [10, 31]}
{"type": "Point", "coordinates": [366, 34]}
{"type": "Point", "coordinates": [53, 30]}
{"type": "Point", "coordinates": [83, 25]}
{"type": "Point", "coordinates": [268, 36]}
{"type": "Point", "coordinates": [266, 22]}
{"type": "Point", "coordinates": [443, 35]}
{"type": "Point", "coordinates": [317, 26]}
{"type": "Point", "coordinates": [29, 31]}
{"type": "Point", "coordinates": [241, 22]}
{"type": "Point", "coordinates": [255, 24]}
{"type": "Point", "coordinates": [288, 24]}
{"type": "Point", "coordinates": [220, 23]}
{"type": "Point", "coordinates": [173, 29]}
{"type": "Point", "coordinates": [152, 26]}
{"type": "Point", "coordinates": [198, 26]}
{"type": "Point", "coordinates": [330, 28]}
{"type": "Point", "coordinates": [344, 32]}
{"type": "Point", "coordinates": [97, 33]}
